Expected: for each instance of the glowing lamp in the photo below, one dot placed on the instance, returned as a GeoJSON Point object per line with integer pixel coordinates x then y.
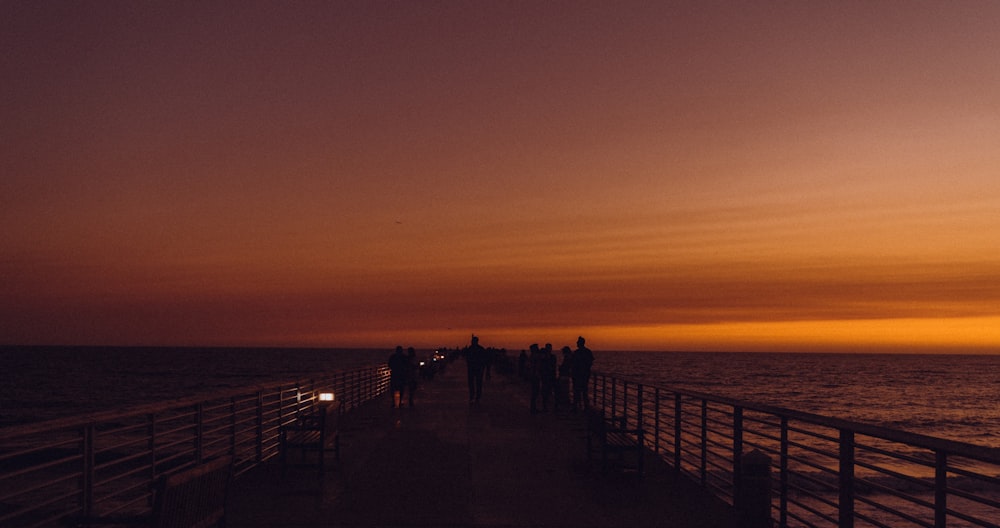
{"type": "Point", "coordinates": [326, 396]}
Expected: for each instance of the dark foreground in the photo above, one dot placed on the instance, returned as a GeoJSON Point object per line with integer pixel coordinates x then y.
{"type": "Point", "coordinates": [448, 463]}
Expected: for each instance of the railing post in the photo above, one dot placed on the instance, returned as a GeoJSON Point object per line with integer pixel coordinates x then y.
{"type": "Point", "coordinates": [704, 442]}
{"type": "Point", "coordinates": [678, 409]}
{"type": "Point", "coordinates": [593, 391]}
{"type": "Point", "coordinates": [846, 480]}
{"type": "Point", "coordinates": [783, 492]}
{"type": "Point", "coordinates": [940, 489]}
{"type": "Point", "coordinates": [737, 448]}
{"type": "Point", "coordinates": [624, 403]}
{"type": "Point", "coordinates": [656, 420]}
{"type": "Point", "coordinates": [638, 408]}
{"type": "Point", "coordinates": [753, 497]}
{"type": "Point", "coordinates": [604, 393]}
{"type": "Point", "coordinates": [614, 395]}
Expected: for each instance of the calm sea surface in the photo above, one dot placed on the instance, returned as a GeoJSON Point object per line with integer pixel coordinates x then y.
{"type": "Point", "coordinates": [42, 383]}
{"type": "Point", "coordinates": [948, 396]}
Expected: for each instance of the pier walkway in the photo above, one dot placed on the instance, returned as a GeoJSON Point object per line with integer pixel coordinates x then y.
{"type": "Point", "coordinates": [448, 463]}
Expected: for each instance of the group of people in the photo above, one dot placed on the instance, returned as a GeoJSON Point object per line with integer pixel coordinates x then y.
{"type": "Point", "coordinates": [552, 380]}
{"type": "Point", "coordinates": [404, 371]}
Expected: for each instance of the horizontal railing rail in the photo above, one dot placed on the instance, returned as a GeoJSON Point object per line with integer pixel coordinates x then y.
{"type": "Point", "coordinates": [822, 471]}
{"type": "Point", "coordinates": [107, 462]}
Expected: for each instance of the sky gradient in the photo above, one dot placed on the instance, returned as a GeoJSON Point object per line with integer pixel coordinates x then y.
{"type": "Point", "coordinates": [652, 175]}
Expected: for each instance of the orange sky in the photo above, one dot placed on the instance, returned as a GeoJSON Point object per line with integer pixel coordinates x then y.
{"type": "Point", "coordinates": [682, 176]}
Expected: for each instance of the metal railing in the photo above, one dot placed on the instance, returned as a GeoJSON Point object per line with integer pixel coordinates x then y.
{"type": "Point", "coordinates": [823, 471]}
{"type": "Point", "coordinates": [107, 463]}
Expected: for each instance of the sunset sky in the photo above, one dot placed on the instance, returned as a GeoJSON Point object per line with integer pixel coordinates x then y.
{"type": "Point", "coordinates": [652, 175]}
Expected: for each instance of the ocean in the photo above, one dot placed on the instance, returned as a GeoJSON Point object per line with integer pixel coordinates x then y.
{"type": "Point", "coordinates": [40, 383]}
{"type": "Point", "coordinates": [947, 396]}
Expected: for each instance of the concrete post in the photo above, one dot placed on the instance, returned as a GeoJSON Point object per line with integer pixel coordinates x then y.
{"type": "Point", "coordinates": [753, 491]}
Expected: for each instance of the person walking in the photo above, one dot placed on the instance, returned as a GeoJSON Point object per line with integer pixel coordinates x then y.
{"type": "Point", "coordinates": [398, 370]}
{"type": "Point", "coordinates": [564, 381]}
{"type": "Point", "coordinates": [475, 361]}
{"type": "Point", "coordinates": [583, 360]}
{"type": "Point", "coordinates": [547, 375]}
{"type": "Point", "coordinates": [534, 375]}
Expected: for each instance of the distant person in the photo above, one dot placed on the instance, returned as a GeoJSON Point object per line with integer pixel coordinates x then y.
{"type": "Point", "coordinates": [547, 375]}
{"type": "Point", "coordinates": [412, 374]}
{"type": "Point", "coordinates": [475, 361]}
{"type": "Point", "coordinates": [564, 380]}
{"type": "Point", "coordinates": [534, 375]}
{"type": "Point", "coordinates": [399, 368]}
{"type": "Point", "coordinates": [522, 365]}
{"type": "Point", "coordinates": [583, 360]}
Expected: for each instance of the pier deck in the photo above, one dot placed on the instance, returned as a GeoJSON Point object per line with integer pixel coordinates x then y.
{"type": "Point", "coordinates": [448, 463]}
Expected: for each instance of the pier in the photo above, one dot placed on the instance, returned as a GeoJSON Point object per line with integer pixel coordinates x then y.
{"type": "Point", "coordinates": [710, 461]}
{"type": "Point", "coordinates": [446, 462]}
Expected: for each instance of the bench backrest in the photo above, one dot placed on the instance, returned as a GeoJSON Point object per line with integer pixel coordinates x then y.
{"type": "Point", "coordinates": [194, 498]}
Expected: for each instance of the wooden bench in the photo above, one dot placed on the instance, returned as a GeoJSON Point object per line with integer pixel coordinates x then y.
{"type": "Point", "coordinates": [193, 498]}
{"type": "Point", "coordinates": [612, 438]}
{"type": "Point", "coordinates": [315, 431]}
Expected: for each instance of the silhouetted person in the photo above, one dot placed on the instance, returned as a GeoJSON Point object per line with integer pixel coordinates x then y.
{"type": "Point", "coordinates": [522, 365]}
{"type": "Point", "coordinates": [534, 375]}
{"type": "Point", "coordinates": [583, 359]}
{"type": "Point", "coordinates": [475, 360]}
{"type": "Point", "coordinates": [399, 368]}
{"type": "Point", "coordinates": [412, 373]}
{"type": "Point", "coordinates": [547, 375]}
{"type": "Point", "coordinates": [565, 378]}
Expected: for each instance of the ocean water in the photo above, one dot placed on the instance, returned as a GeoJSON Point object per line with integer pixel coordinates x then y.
{"type": "Point", "coordinates": [947, 396]}
{"type": "Point", "coordinates": [39, 383]}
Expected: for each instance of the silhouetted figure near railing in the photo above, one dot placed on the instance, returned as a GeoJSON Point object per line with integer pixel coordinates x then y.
{"type": "Point", "coordinates": [475, 359]}
{"type": "Point", "coordinates": [548, 375]}
{"type": "Point", "coordinates": [583, 360]}
{"type": "Point", "coordinates": [399, 368]}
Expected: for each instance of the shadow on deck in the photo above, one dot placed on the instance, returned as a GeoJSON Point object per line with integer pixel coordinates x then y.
{"type": "Point", "coordinates": [448, 463]}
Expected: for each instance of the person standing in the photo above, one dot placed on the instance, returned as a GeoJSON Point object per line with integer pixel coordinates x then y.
{"type": "Point", "coordinates": [398, 369]}
{"type": "Point", "coordinates": [475, 360]}
{"type": "Point", "coordinates": [564, 381]}
{"type": "Point", "coordinates": [583, 360]}
{"type": "Point", "coordinates": [547, 375]}
{"type": "Point", "coordinates": [534, 375]}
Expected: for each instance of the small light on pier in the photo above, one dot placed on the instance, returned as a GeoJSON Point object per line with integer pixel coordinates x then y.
{"type": "Point", "coordinates": [326, 396]}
